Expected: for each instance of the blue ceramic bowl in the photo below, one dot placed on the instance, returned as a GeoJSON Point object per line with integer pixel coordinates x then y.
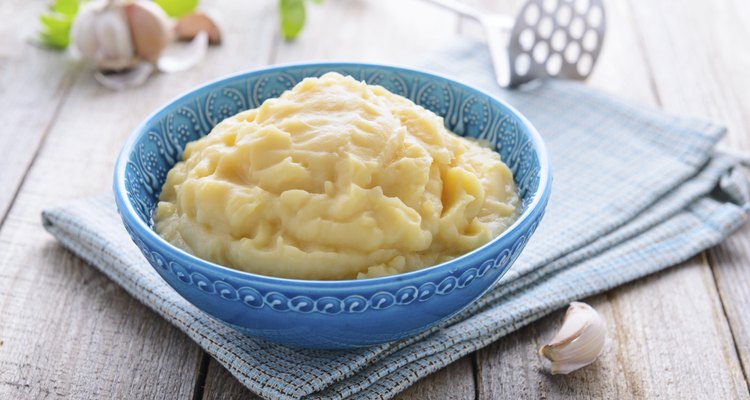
{"type": "Point", "coordinates": [329, 314]}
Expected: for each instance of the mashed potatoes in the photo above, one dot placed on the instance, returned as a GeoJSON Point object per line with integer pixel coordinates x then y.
{"type": "Point", "coordinates": [335, 179]}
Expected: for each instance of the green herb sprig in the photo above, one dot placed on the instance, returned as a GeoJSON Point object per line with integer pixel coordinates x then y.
{"type": "Point", "coordinates": [293, 17]}
{"type": "Point", "coordinates": [56, 23]}
{"type": "Point", "coordinates": [177, 8]}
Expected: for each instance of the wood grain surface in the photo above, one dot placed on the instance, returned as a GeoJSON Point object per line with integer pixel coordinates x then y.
{"type": "Point", "coordinates": [33, 84]}
{"type": "Point", "coordinates": [702, 42]}
{"type": "Point", "coordinates": [67, 331]}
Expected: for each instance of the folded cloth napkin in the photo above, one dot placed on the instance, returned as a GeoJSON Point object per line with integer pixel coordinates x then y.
{"type": "Point", "coordinates": [635, 191]}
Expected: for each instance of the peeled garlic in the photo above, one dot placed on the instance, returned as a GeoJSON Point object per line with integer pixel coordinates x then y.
{"type": "Point", "coordinates": [117, 36]}
{"type": "Point", "coordinates": [579, 341]}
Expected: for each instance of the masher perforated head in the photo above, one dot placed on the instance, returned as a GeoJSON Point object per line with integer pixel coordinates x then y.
{"type": "Point", "coordinates": [555, 38]}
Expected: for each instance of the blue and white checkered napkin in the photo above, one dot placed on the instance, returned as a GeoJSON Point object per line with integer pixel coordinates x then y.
{"type": "Point", "coordinates": [635, 191]}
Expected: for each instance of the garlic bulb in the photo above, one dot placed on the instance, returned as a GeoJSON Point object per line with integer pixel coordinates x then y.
{"type": "Point", "coordinates": [101, 34]}
{"type": "Point", "coordinates": [579, 341]}
{"type": "Point", "coordinates": [116, 36]}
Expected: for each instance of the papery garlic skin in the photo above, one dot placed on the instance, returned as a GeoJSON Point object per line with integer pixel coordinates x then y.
{"type": "Point", "coordinates": [121, 80]}
{"type": "Point", "coordinates": [101, 33]}
{"type": "Point", "coordinates": [150, 27]}
{"type": "Point", "coordinates": [115, 47]}
{"type": "Point", "coordinates": [185, 57]}
{"type": "Point", "coordinates": [190, 25]}
{"type": "Point", "coordinates": [579, 341]}
{"type": "Point", "coordinates": [82, 31]}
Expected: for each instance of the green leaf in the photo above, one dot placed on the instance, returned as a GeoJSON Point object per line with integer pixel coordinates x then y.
{"type": "Point", "coordinates": [68, 8]}
{"type": "Point", "coordinates": [292, 17]}
{"type": "Point", "coordinates": [177, 8]}
{"type": "Point", "coordinates": [54, 41]}
{"type": "Point", "coordinates": [317, 1]}
{"type": "Point", "coordinates": [56, 23]}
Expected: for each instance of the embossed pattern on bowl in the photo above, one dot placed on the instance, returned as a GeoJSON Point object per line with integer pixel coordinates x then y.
{"type": "Point", "coordinates": [329, 314]}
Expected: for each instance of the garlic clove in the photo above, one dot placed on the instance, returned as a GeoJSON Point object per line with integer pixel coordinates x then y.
{"type": "Point", "coordinates": [100, 34]}
{"type": "Point", "coordinates": [150, 27]}
{"type": "Point", "coordinates": [114, 46]}
{"type": "Point", "coordinates": [181, 58]}
{"type": "Point", "coordinates": [579, 341]}
{"type": "Point", "coordinates": [125, 79]}
{"type": "Point", "coordinates": [82, 32]}
{"type": "Point", "coordinates": [189, 26]}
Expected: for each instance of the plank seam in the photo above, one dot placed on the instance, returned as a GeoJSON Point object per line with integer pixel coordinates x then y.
{"type": "Point", "coordinates": [475, 373]}
{"type": "Point", "coordinates": [712, 263]}
{"type": "Point", "coordinates": [706, 255]}
{"type": "Point", "coordinates": [200, 378]}
{"type": "Point", "coordinates": [67, 84]}
{"type": "Point", "coordinates": [644, 55]}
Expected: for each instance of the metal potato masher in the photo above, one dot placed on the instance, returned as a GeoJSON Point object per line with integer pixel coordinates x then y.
{"type": "Point", "coordinates": [548, 38]}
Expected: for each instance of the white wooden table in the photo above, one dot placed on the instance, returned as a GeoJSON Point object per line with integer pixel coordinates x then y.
{"type": "Point", "coordinates": [67, 331]}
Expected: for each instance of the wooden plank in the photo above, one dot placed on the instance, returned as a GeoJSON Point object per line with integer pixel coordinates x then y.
{"type": "Point", "coordinates": [700, 60]}
{"type": "Point", "coordinates": [706, 44]}
{"type": "Point", "coordinates": [656, 350]}
{"type": "Point", "coordinates": [394, 32]}
{"type": "Point", "coordinates": [65, 329]}
{"type": "Point", "coordinates": [68, 331]}
{"type": "Point", "coordinates": [33, 82]}
{"type": "Point", "coordinates": [221, 385]}
{"type": "Point", "coordinates": [730, 262]}
{"type": "Point", "coordinates": [659, 325]}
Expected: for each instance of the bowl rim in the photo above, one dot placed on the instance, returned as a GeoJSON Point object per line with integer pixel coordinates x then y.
{"type": "Point", "coordinates": [147, 234]}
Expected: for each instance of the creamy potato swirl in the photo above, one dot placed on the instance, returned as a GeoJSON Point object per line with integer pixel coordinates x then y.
{"type": "Point", "coordinates": [335, 179]}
